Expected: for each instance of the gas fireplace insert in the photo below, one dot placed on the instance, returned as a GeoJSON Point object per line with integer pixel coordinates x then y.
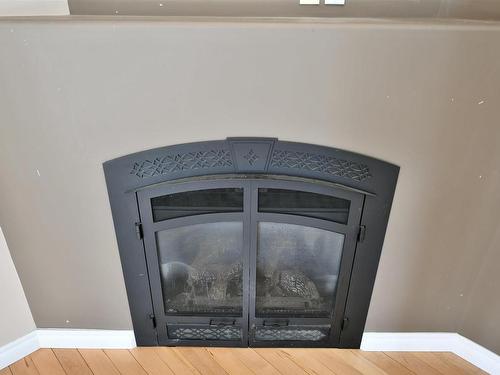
{"type": "Point", "coordinates": [249, 241]}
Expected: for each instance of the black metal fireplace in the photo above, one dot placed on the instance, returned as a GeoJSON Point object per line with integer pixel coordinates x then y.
{"type": "Point", "coordinates": [249, 241]}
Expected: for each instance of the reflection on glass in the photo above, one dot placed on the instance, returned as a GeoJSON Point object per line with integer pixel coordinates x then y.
{"type": "Point", "coordinates": [201, 268]}
{"type": "Point", "coordinates": [197, 202]}
{"type": "Point", "coordinates": [294, 202]}
{"type": "Point", "coordinates": [297, 270]}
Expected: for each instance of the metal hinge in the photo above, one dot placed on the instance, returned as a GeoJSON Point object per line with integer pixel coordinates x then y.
{"type": "Point", "coordinates": [345, 323]}
{"type": "Point", "coordinates": [361, 233]}
{"type": "Point", "coordinates": [153, 319]}
{"type": "Point", "coordinates": [138, 231]}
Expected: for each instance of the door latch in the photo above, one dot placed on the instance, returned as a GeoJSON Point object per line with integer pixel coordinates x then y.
{"type": "Point", "coordinates": [153, 319]}
{"type": "Point", "coordinates": [138, 231]}
{"type": "Point", "coordinates": [362, 233]}
{"type": "Point", "coordinates": [345, 323]}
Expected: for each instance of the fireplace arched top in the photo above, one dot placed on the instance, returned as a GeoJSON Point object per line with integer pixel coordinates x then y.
{"type": "Point", "coordinates": [250, 156]}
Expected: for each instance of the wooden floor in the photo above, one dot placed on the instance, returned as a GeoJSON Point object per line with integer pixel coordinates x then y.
{"type": "Point", "coordinates": [201, 361]}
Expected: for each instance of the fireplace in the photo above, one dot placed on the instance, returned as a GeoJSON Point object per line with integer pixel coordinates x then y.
{"type": "Point", "coordinates": [249, 241]}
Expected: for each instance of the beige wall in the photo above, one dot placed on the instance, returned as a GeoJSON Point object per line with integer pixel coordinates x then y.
{"type": "Point", "coordinates": [481, 321]}
{"type": "Point", "coordinates": [15, 315]}
{"type": "Point", "coordinates": [423, 96]}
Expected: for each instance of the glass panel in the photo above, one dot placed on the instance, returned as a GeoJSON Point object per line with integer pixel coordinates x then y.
{"type": "Point", "coordinates": [197, 202]}
{"type": "Point", "coordinates": [201, 268]}
{"type": "Point", "coordinates": [302, 203]}
{"type": "Point", "coordinates": [297, 270]}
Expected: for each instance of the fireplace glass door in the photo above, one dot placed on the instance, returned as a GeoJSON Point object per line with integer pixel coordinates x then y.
{"type": "Point", "coordinates": [304, 237]}
{"type": "Point", "coordinates": [297, 270]}
{"type": "Point", "coordinates": [257, 262]}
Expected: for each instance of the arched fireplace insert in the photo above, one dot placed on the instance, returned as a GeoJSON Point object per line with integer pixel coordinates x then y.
{"type": "Point", "coordinates": [249, 241]}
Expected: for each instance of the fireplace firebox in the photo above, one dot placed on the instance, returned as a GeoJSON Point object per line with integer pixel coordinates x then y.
{"type": "Point", "coordinates": [249, 241]}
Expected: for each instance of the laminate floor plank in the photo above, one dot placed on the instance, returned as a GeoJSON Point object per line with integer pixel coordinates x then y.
{"type": "Point", "coordinates": [46, 362]}
{"type": "Point", "coordinates": [304, 358]}
{"type": "Point", "coordinates": [24, 366]}
{"type": "Point", "coordinates": [255, 362]}
{"type": "Point", "coordinates": [351, 362]}
{"type": "Point", "coordinates": [337, 364]}
{"type": "Point", "coordinates": [175, 361]}
{"type": "Point", "coordinates": [227, 359]}
{"type": "Point", "coordinates": [125, 362]}
{"type": "Point", "coordinates": [413, 363]}
{"type": "Point", "coordinates": [98, 362]}
{"type": "Point", "coordinates": [281, 361]}
{"type": "Point", "coordinates": [461, 363]}
{"type": "Point", "coordinates": [72, 362]}
{"type": "Point", "coordinates": [384, 362]}
{"type": "Point", "coordinates": [444, 367]}
{"type": "Point", "coordinates": [202, 360]}
{"type": "Point", "coordinates": [151, 361]}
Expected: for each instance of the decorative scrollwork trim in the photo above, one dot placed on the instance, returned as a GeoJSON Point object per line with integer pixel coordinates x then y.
{"type": "Point", "coordinates": [162, 165]}
{"type": "Point", "coordinates": [320, 163]}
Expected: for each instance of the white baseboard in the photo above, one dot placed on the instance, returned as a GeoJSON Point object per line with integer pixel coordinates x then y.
{"type": "Point", "coordinates": [372, 341]}
{"type": "Point", "coordinates": [411, 341]}
{"type": "Point", "coordinates": [433, 342]}
{"type": "Point", "coordinates": [65, 338]}
{"type": "Point", "coordinates": [18, 349]}
{"type": "Point", "coordinates": [86, 338]}
{"type": "Point", "coordinates": [477, 355]}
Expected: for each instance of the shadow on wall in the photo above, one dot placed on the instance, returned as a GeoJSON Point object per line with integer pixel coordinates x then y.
{"type": "Point", "coordinates": [16, 316]}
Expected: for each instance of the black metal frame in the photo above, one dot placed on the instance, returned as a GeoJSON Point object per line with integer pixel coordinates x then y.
{"type": "Point", "coordinates": [133, 178]}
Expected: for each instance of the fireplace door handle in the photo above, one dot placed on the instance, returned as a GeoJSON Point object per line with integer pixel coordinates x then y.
{"type": "Point", "coordinates": [222, 322]}
{"type": "Point", "coordinates": [275, 323]}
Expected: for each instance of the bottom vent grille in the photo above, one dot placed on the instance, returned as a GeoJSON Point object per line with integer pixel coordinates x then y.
{"type": "Point", "coordinates": [291, 333]}
{"type": "Point", "coordinates": [204, 333]}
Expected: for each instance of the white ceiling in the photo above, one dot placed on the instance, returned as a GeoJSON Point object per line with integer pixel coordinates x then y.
{"type": "Point", "coordinates": [34, 8]}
